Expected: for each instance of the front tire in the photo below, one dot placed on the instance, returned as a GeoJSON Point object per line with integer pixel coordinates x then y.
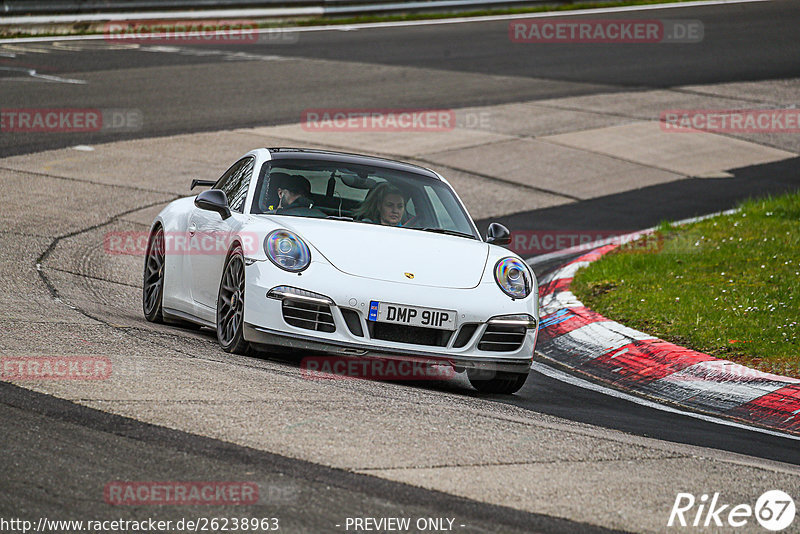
{"type": "Point", "coordinates": [501, 382]}
{"type": "Point", "coordinates": [230, 305]}
{"type": "Point", "coordinates": [153, 278]}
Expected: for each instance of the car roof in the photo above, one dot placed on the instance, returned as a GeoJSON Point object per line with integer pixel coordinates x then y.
{"type": "Point", "coordinates": [344, 157]}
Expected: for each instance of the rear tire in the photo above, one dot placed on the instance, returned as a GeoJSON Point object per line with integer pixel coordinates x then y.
{"type": "Point", "coordinates": [230, 305]}
{"type": "Point", "coordinates": [501, 382]}
{"type": "Point", "coordinates": [153, 277]}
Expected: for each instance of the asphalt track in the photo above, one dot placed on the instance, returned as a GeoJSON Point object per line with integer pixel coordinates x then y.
{"type": "Point", "coordinates": [52, 436]}
{"type": "Point", "coordinates": [447, 66]}
{"type": "Point", "coordinates": [189, 88]}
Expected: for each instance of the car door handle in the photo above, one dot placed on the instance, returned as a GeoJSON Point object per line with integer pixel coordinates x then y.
{"type": "Point", "coordinates": [192, 228]}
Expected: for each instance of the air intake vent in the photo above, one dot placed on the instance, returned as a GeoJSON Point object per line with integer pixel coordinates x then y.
{"type": "Point", "coordinates": [464, 335]}
{"type": "Point", "coordinates": [353, 322]}
{"type": "Point", "coordinates": [502, 338]}
{"type": "Point", "coordinates": [307, 315]}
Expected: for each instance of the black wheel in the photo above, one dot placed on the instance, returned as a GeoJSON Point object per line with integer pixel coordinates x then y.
{"type": "Point", "coordinates": [496, 381]}
{"type": "Point", "coordinates": [230, 305]}
{"type": "Point", "coordinates": [153, 281]}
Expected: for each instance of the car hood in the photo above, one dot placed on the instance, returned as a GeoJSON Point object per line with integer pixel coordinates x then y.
{"type": "Point", "coordinates": [392, 254]}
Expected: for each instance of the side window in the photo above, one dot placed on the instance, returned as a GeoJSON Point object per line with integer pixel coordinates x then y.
{"type": "Point", "coordinates": [237, 198]}
{"type": "Point", "coordinates": [235, 183]}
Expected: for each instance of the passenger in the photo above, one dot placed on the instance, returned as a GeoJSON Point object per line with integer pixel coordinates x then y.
{"type": "Point", "coordinates": [293, 191]}
{"type": "Point", "coordinates": [386, 204]}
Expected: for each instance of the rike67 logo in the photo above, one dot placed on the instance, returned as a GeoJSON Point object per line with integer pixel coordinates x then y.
{"type": "Point", "coordinates": [774, 510]}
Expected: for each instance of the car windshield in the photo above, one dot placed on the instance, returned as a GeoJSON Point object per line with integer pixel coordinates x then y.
{"type": "Point", "coordinates": [361, 194]}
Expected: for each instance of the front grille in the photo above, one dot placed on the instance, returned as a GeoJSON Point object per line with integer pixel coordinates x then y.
{"type": "Point", "coordinates": [502, 338]}
{"type": "Point", "coordinates": [308, 315]}
{"type": "Point", "coordinates": [415, 335]}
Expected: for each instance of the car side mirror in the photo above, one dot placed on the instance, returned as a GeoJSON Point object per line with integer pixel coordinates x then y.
{"type": "Point", "coordinates": [214, 200]}
{"type": "Point", "coordinates": [497, 234]}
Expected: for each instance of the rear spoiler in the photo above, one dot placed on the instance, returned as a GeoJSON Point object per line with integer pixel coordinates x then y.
{"type": "Point", "coordinates": [204, 183]}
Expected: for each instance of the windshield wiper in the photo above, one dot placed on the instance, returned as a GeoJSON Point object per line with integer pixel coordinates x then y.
{"type": "Point", "coordinates": [340, 218]}
{"type": "Point", "coordinates": [448, 232]}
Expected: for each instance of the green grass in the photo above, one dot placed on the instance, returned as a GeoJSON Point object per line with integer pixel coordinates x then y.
{"type": "Point", "coordinates": [727, 286]}
{"type": "Point", "coordinates": [98, 29]}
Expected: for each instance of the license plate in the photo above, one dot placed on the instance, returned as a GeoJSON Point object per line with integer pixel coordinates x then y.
{"type": "Point", "coordinates": [385, 312]}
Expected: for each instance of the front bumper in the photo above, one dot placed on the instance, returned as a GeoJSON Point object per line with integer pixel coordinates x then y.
{"type": "Point", "coordinates": [264, 321]}
{"type": "Point", "coordinates": [265, 336]}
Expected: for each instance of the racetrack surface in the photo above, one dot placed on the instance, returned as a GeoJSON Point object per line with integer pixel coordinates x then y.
{"type": "Point", "coordinates": [306, 497]}
{"type": "Point", "coordinates": [183, 89]}
{"type": "Point", "coordinates": [552, 451]}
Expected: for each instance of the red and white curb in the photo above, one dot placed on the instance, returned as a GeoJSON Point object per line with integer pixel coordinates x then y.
{"type": "Point", "coordinates": [588, 343]}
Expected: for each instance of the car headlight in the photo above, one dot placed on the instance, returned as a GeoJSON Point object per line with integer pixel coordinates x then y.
{"type": "Point", "coordinates": [286, 250]}
{"type": "Point", "coordinates": [513, 277]}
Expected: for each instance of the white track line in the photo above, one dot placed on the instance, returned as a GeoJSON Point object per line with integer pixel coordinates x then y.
{"type": "Point", "coordinates": [537, 15]}
{"type": "Point", "coordinates": [194, 15]}
{"type": "Point", "coordinates": [34, 74]}
{"type": "Point", "coordinates": [585, 384]}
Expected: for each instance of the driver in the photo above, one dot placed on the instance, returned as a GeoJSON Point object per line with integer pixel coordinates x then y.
{"type": "Point", "coordinates": [386, 204]}
{"type": "Point", "coordinates": [293, 191]}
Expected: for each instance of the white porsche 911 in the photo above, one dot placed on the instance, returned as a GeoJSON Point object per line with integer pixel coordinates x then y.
{"type": "Point", "coordinates": [347, 255]}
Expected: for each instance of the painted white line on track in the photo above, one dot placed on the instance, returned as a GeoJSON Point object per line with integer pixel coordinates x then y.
{"type": "Point", "coordinates": [536, 15]}
{"type": "Point", "coordinates": [397, 24]}
{"type": "Point", "coordinates": [38, 76]}
{"type": "Point", "coordinates": [585, 384]}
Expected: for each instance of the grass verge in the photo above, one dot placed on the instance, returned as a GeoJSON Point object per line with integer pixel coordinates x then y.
{"type": "Point", "coordinates": [728, 286]}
